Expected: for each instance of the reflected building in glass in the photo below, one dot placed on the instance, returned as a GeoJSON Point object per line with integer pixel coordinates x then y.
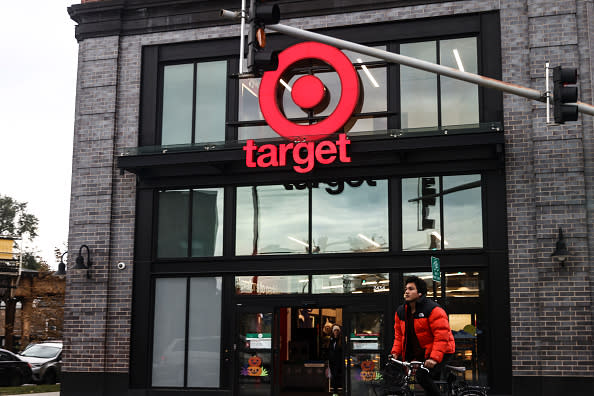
{"type": "Point", "coordinates": [253, 281]}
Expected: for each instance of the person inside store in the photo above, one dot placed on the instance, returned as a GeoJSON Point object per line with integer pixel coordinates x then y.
{"type": "Point", "coordinates": [422, 333]}
{"type": "Point", "coordinates": [335, 359]}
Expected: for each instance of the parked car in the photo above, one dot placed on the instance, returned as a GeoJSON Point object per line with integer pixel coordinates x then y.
{"type": "Point", "coordinates": [13, 370]}
{"type": "Point", "coordinates": [46, 361]}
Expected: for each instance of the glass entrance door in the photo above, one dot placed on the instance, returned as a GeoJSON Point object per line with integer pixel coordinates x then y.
{"type": "Point", "coordinates": [255, 354]}
{"type": "Point", "coordinates": [365, 347]}
{"type": "Point", "coordinates": [310, 356]}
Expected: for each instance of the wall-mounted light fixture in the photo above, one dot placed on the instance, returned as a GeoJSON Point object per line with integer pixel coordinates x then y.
{"type": "Point", "coordinates": [561, 253]}
{"type": "Point", "coordinates": [80, 261]}
{"type": "Point", "coordinates": [62, 266]}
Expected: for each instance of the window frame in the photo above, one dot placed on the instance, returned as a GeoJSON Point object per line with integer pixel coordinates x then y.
{"type": "Point", "coordinates": [483, 27]}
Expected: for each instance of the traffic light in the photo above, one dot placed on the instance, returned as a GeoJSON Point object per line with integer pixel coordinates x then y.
{"type": "Point", "coordinates": [428, 192]}
{"type": "Point", "coordinates": [563, 94]}
{"type": "Point", "coordinates": [260, 59]}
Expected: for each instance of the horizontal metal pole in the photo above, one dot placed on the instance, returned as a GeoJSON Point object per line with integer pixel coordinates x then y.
{"type": "Point", "coordinates": [422, 65]}
{"type": "Point", "coordinates": [417, 64]}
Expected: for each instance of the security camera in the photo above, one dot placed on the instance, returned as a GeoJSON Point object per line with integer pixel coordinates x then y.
{"type": "Point", "coordinates": [121, 266]}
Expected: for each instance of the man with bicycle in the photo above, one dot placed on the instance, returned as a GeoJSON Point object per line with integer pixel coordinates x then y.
{"type": "Point", "coordinates": [422, 332]}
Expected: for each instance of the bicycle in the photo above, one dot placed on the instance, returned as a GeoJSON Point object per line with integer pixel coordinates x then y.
{"type": "Point", "coordinates": [397, 382]}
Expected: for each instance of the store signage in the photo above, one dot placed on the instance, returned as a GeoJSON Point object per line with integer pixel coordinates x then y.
{"type": "Point", "coordinates": [307, 92]}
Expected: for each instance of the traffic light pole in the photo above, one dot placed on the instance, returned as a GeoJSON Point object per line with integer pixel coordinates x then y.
{"type": "Point", "coordinates": [417, 64]}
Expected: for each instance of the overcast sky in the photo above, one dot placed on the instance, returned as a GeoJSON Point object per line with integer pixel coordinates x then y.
{"type": "Point", "coordinates": [37, 82]}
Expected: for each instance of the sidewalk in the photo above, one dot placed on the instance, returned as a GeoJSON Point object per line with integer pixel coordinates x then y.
{"type": "Point", "coordinates": [40, 394]}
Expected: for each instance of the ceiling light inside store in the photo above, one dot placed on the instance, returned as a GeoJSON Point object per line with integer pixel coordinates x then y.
{"type": "Point", "coordinates": [285, 85]}
{"type": "Point", "coordinates": [458, 59]}
{"type": "Point", "coordinates": [368, 73]}
{"type": "Point", "coordinates": [298, 241]}
{"type": "Point", "coordinates": [246, 88]}
{"type": "Point", "coordinates": [374, 243]}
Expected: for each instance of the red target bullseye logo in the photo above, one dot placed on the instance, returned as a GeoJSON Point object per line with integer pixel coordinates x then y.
{"type": "Point", "coordinates": [308, 92]}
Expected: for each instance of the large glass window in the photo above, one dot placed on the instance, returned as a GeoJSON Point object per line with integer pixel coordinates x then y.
{"type": "Point", "coordinates": [354, 220]}
{"type": "Point", "coordinates": [288, 284]}
{"type": "Point", "coordinates": [430, 100]}
{"type": "Point", "coordinates": [168, 340]}
{"type": "Point", "coordinates": [351, 283]}
{"type": "Point", "coordinates": [191, 218]}
{"type": "Point", "coordinates": [462, 211]}
{"type": "Point", "coordinates": [192, 358]}
{"type": "Point", "coordinates": [194, 103]}
{"type": "Point", "coordinates": [271, 220]}
{"type": "Point", "coordinates": [346, 217]}
{"type": "Point", "coordinates": [423, 221]}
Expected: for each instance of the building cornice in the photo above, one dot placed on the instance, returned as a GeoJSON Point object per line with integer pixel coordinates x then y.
{"type": "Point", "coordinates": [130, 17]}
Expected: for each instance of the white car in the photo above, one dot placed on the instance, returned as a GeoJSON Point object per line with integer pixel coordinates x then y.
{"type": "Point", "coordinates": [45, 359]}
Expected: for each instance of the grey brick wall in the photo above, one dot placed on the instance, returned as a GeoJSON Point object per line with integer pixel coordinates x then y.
{"type": "Point", "coordinates": [549, 173]}
{"type": "Point", "coordinates": [547, 187]}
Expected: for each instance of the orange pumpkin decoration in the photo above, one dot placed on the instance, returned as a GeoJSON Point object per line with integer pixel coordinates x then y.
{"type": "Point", "coordinates": [255, 361]}
{"type": "Point", "coordinates": [254, 371]}
{"type": "Point", "coordinates": [367, 375]}
{"type": "Point", "coordinates": [367, 365]}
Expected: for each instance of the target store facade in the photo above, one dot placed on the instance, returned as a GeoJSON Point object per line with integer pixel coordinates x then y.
{"type": "Point", "coordinates": [233, 221]}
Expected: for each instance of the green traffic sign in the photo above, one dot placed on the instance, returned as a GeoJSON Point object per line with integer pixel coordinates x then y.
{"type": "Point", "coordinates": [435, 268]}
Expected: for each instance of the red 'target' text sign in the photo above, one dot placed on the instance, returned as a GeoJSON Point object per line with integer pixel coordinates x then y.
{"type": "Point", "coordinates": [307, 92]}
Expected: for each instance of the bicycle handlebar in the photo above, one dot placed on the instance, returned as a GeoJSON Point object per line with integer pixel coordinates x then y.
{"type": "Point", "coordinates": [408, 364]}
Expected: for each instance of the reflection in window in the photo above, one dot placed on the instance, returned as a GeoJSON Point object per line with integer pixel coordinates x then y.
{"type": "Point", "coordinates": [271, 220]}
{"type": "Point", "coordinates": [354, 220]}
{"type": "Point", "coordinates": [206, 224]}
{"type": "Point", "coordinates": [179, 112]}
{"type": "Point", "coordinates": [462, 211]}
{"type": "Point", "coordinates": [177, 104]}
{"type": "Point", "coordinates": [418, 89]}
{"type": "Point", "coordinates": [428, 278]}
{"type": "Point", "coordinates": [172, 226]}
{"type": "Point", "coordinates": [204, 343]}
{"type": "Point", "coordinates": [462, 284]}
{"type": "Point", "coordinates": [420, 217]}
{"type": "Point", "coordinates": [459, 99]}
{"type": "Point", "coordinates": [350, 283]}
{"type": "Point", "coordinates": [168, 340]}
{"type": "Point", "coordinates": [464, 291]}
{"type": "Point", "coordinates": [347, 216]}
{"type": "Point", "coordinates": [211, 101]}
{"type": "Point", "coordinates": [297, 284]}
{"type": "Point", "coordinates": [249, 108]}
{"type": "Point", "coordinates": [455, 102]}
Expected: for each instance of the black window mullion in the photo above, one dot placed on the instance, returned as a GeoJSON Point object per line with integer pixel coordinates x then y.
{"type": "Point", "coordinates": [194, 103]}
{"type": "Point", "coordinates": [393, 80]}
{"type": "Point", "coordinates": [190, 222]}
{"type": "Point", "coordinates": [232, 101]}
{"type": "Point", "coordinates": [187, 332]}
{"type": "Point", "coordinates": [437, 58]}
{"type": "Point", "coordinates": [310, 212]}
{"type": "Point", "coordinates": [441, 226]}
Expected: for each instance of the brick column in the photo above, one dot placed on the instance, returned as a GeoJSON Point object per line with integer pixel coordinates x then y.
{"type": "Point", "coordinates": [551, 312]}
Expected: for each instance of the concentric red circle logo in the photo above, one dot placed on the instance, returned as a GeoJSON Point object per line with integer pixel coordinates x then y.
{"type": "Point", "coordinates": [308, 92]}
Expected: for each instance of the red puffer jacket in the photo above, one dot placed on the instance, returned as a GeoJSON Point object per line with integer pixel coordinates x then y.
{"type": "Point", "coordinates": [431, 327]}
